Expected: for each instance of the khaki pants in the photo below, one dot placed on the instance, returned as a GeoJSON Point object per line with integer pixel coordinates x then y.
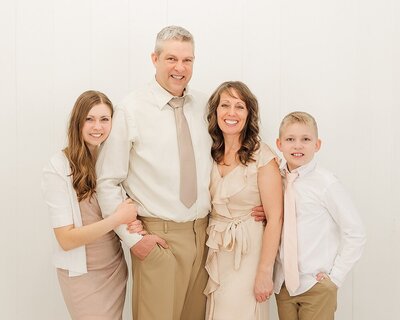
{"type": "Point", "coordinates": [168, 284]}
{"type": "Point", "coordinates": [318, 303]}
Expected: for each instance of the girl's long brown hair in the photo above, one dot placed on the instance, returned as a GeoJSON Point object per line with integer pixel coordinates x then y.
{"type": "Point", "coordinates": [80, 159]}
{"type": "Point", "coordinates": [249, 137]}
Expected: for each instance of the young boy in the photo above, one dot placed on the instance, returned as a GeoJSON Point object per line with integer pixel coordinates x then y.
{"type": "Point", "coordinates": [330, 235]}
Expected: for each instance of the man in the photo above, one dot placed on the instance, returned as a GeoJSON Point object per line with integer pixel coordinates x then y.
{"type": "Point", "coordinates": [160, 157]}
{"type": "Point", "coordinates": [142, 158]}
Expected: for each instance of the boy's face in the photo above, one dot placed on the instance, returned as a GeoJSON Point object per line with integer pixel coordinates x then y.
{"type": "Point", "coordinates": [298, 142]}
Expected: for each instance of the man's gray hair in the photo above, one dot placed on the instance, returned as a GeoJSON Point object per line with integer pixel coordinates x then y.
{"type": "Point", "coordinates": [172, 33]}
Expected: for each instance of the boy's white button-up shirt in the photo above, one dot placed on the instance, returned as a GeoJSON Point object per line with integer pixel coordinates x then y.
{"type": "Point", "coordinates": [330, 232]}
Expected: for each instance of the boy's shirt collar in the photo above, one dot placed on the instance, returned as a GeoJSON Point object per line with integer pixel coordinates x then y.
{"type": "Point", "coordinates": [303, 170]}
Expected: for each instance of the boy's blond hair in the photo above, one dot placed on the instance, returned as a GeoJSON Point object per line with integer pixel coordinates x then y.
{"type": "Point", "coordinates": [298, 117]}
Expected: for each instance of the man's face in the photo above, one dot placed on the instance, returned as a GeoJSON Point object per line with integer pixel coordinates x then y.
{"type": "Point", "coordinates": [174, 66]}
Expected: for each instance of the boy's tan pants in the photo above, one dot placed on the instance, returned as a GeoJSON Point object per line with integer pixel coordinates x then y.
{"type": "Point", "coordinates": [168, 284]}
{"type": "Point", "coordinates": [318, 303]}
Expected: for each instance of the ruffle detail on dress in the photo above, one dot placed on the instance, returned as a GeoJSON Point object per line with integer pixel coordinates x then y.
{"type": "Point", "coordinates": [225, 190]}
{"type": "Point", "coordinates": [229, 234]}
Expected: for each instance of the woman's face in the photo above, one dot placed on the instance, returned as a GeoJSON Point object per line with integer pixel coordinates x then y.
{"type": "Point", "coordinates": [232, 114]}
{"type": "Point", "coordinates": [97, 125]}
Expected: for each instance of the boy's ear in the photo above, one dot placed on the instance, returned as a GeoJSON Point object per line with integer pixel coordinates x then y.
{"type": "Point", "coordinates": [318, 145]}
{"type": "Point", "coordinates": [278, 144]}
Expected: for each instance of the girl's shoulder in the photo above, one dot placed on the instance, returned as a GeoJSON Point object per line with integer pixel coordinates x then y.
{"type": "Point", "coordinates": [59, 163]}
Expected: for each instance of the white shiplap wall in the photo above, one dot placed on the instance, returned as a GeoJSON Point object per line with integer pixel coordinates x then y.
{"type": "Point", "coordinates": [337, 60]}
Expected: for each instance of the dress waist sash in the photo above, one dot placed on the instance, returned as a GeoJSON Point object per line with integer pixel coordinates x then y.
{"type": "Point", "coordinates": [228, 234]}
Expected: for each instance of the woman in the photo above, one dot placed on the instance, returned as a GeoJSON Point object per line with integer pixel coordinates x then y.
{"type": "Point", "coordinates": [245, 174]}
{"type": "Point", "coordinates": [90, 263]}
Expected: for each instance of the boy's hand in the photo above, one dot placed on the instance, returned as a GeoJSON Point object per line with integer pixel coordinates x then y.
{"type": "Point", "coordinates": [321, 276]}
{"type": "Point", "coordinates": [258, 213]}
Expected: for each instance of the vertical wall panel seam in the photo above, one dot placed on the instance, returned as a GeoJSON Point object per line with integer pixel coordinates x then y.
{"type": "Point", "coordinates": [129, 45]}
{"type": "Point", "coordinates": [280, 57]}
{"type": "Point", "coordinates": [16, 130]}
{"type": "Point", "coordinates": [53, 85]}
{"type": "Point", "coordinates": [92, 51]}
{"type": "Point", "coordinates": [166, 12]}
{"type": "Point", "coordinates": [243, 40]}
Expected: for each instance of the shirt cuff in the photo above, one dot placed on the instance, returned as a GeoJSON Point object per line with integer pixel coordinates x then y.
{"type": "Point", "coordinates": [130, 239]}
{"type": "Point", "coordinates": [60, 220]}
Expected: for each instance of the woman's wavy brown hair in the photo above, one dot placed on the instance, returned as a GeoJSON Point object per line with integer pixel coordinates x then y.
{"type": "Point", "coordinates": [249, 137]}
{"type": "Point", "coordinates": [81, 161]}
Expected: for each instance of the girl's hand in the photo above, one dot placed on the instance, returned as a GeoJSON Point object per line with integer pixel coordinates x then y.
{"type": "Point", "coordinates": [136, 227]}
{"type": "Point", "coordinates": [126, 212]}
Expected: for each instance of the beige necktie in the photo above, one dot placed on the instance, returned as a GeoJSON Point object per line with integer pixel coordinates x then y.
{"type": "Point", "coordinates": [290, 266]}
{"type": "Point", "coordinates": [188, 179]}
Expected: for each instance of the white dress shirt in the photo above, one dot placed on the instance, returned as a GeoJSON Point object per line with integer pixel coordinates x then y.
{"type": "Point", "coordinates": [62, 201]}
{"type": "Point", "coordinates": [141, 158]}
{"type": "Point", "coordinates": [330, 233]}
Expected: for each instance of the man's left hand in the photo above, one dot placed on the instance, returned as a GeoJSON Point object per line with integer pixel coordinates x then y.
{"type": "Point", "coordinates": [259, 214]}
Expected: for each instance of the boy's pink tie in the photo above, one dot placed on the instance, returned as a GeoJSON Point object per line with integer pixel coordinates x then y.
{"type": "Point", "coordinates": [290, 266]}
{"type": "Point", "coordinates": [188, 179]}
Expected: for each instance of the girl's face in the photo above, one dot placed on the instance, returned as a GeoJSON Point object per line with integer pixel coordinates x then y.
{"type": "Point", "coordinates": [97, 126]}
